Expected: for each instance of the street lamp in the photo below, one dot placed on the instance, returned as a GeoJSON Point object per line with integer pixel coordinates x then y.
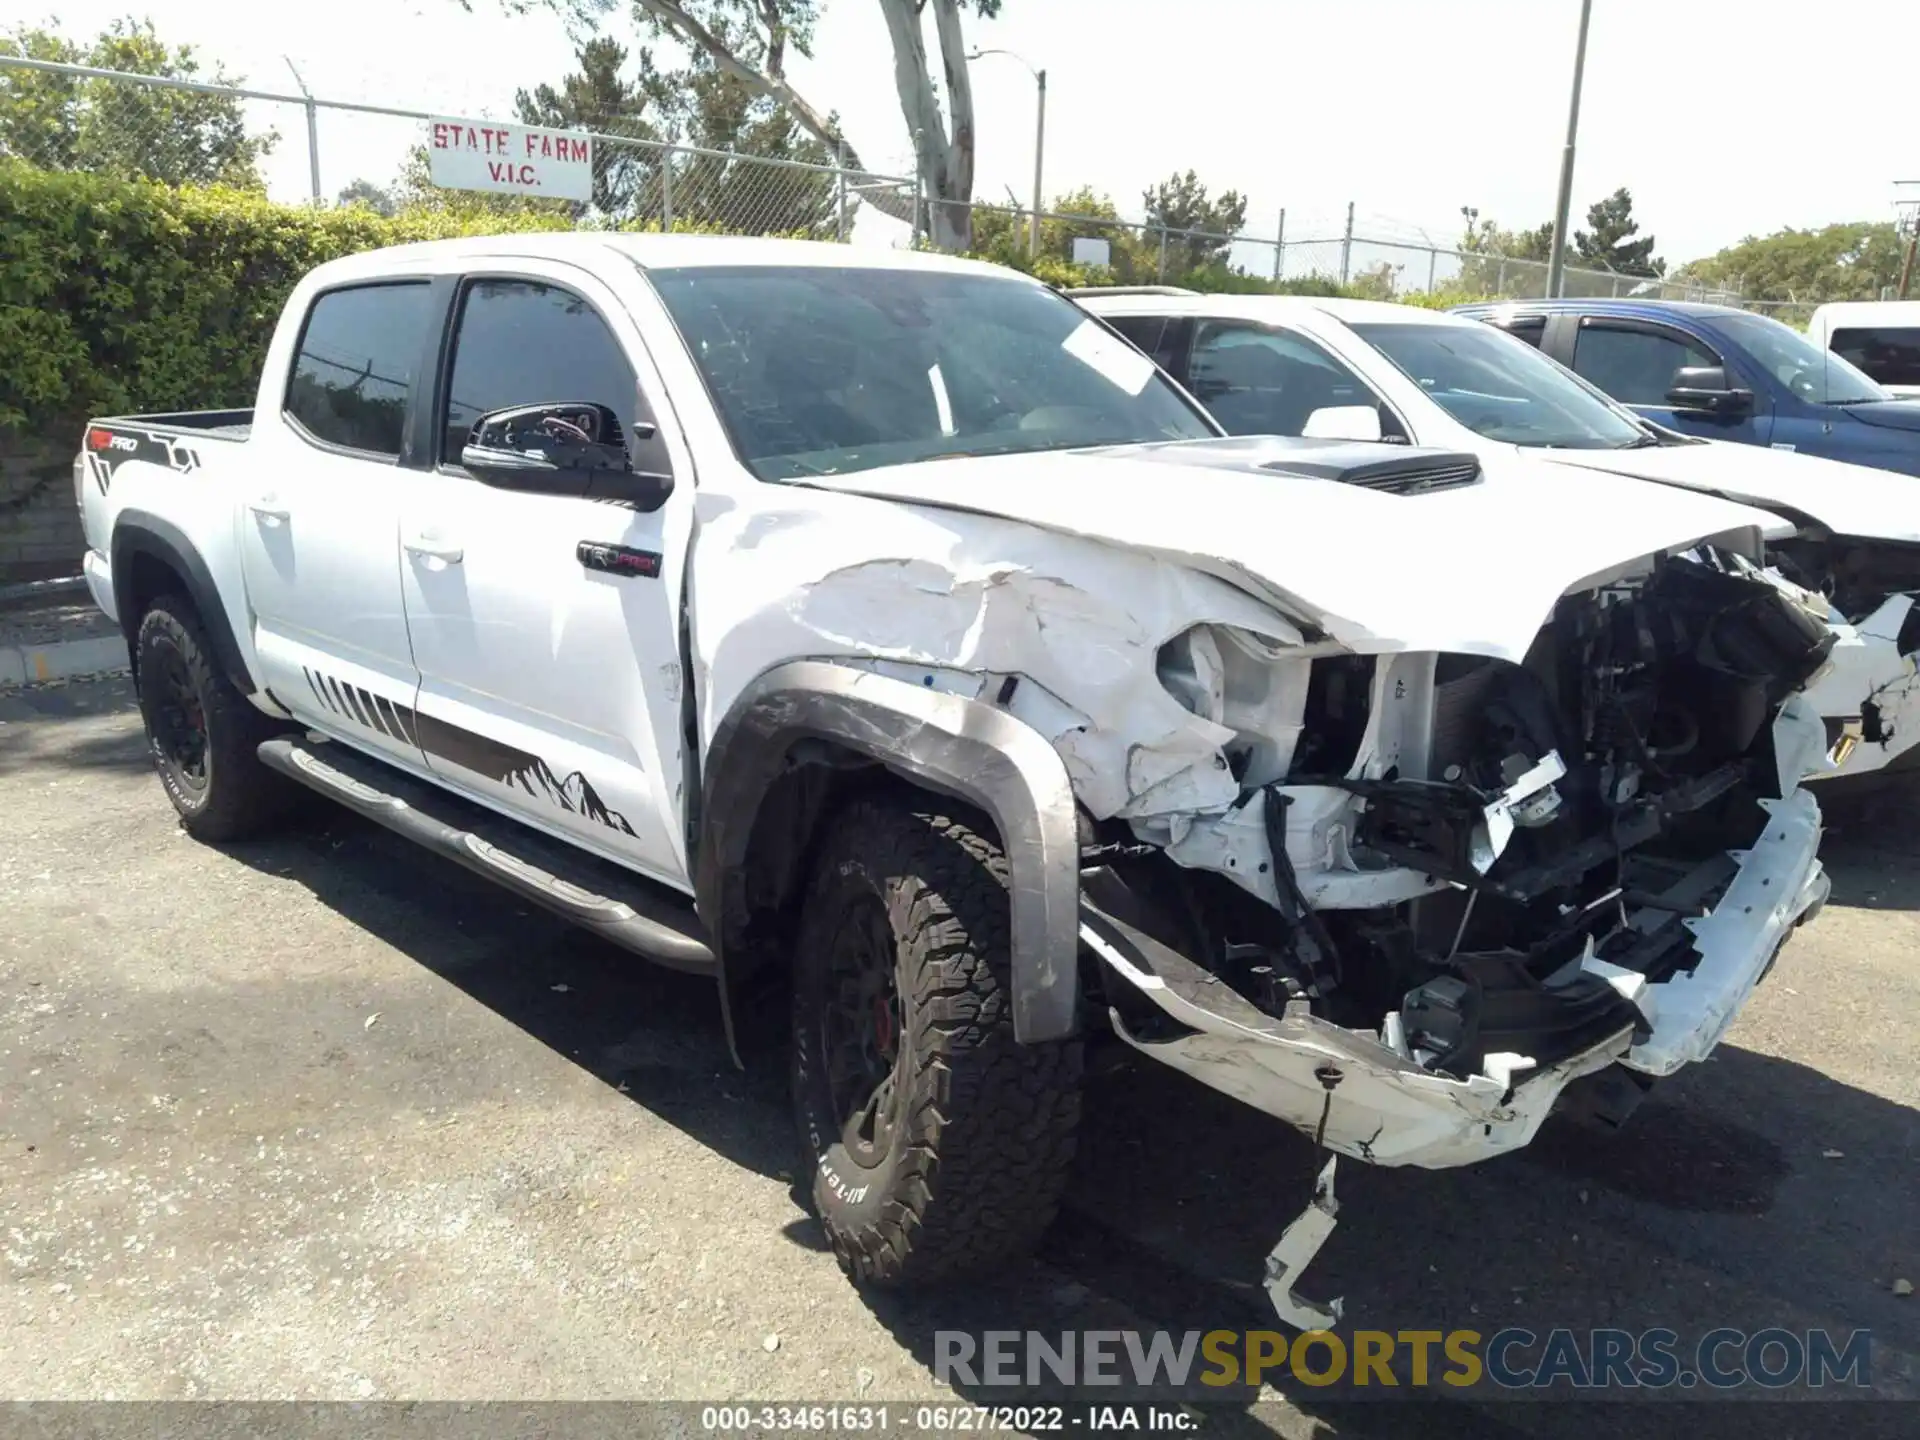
{"type": "Point", "coordinates": [1555, 266]}
{"type": "Point", "coordinates": [1039, 139]}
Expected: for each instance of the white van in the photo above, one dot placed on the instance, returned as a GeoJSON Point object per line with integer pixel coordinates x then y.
{"type": "Point", "coordinates": [1881, 337]}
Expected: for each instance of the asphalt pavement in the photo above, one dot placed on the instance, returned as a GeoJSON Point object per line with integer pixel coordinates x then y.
{"type": "Point", "coordinates": [321, 1117]}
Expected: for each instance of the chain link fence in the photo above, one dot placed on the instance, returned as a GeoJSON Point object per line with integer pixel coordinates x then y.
{"type": "Point", "coordinates": [303, 147]}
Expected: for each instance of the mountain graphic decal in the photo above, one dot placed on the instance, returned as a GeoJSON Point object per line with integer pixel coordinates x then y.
{"type": "Point", "coordinates": [505, 764]}
{"type": "Point", "coordinates": [575, 794]}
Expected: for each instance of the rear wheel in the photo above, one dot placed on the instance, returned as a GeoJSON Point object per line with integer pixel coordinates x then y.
{"type": "Point", "coordinates": [202, 732]}
{"type": "Point", "coordinates": [939, 1144]}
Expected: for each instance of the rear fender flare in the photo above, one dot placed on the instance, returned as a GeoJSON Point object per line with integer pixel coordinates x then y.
{"type": "Point", "coordinates": [944, 743]}
{"type": "Point", "coordinates": [137, 533]}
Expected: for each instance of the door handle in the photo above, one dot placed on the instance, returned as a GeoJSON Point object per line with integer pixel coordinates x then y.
{"type": "Point", "coordinates": [432, 547]}
{"type": "Point", "coordinates": [270, 509]}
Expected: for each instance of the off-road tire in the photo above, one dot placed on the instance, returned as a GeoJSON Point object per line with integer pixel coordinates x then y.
{"type": "Point", "coordinates": [234, 795]}
{"type": "Point", "coordinates": [977, 1159]}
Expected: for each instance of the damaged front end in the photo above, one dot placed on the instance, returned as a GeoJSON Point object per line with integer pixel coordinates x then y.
{"type": "Point", "coordinates": [1446, 887]}
{"type": "Point", "coordinates": [1870, 692]}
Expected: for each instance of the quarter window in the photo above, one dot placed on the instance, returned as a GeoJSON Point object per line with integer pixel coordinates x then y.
{"type": "Point", "coordinates": [355, 365]}
{"type": "Point", "coordinates": [521, 342]}
{"type": "Point", "coordinates": [1635, 367]}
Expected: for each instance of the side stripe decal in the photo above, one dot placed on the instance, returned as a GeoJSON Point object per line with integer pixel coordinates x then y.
{"type": "Point", "coordinates": [481, 755]}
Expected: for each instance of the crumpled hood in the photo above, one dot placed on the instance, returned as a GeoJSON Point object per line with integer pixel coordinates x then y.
{"type": "Point", "coordinates": [1847, 499]}
{"type": "Point", "coordinates": [1475, 570]}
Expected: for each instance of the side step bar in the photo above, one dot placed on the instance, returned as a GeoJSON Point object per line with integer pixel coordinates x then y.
{"type": "Point", "coordinates": [624, 908]}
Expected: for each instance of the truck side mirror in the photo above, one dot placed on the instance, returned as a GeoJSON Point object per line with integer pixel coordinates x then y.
{"type": "Point", "coordinates": [1343, 422]}
{"type": "Point", "coordinates": [563, 448]}
{"type": "Point", "coordinates": [1704, 389]}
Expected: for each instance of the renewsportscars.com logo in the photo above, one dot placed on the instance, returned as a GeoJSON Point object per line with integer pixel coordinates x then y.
{"type": "Point", "coordinates": [1511, 1359]}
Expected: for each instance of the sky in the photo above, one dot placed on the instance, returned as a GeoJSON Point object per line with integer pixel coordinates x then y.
{"type": "Point", "coordinates": [1724, 119]}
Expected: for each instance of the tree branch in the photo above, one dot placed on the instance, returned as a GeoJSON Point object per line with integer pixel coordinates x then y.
{"type": "Point", "coordinates": [953, 57]}
{"type": "Point", "coordinates": [685, 28]}
{"type": "Point", "coordinates": [918, 103]}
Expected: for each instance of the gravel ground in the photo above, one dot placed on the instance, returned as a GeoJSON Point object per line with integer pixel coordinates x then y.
{"type": "Point", "coordinates": [324, 1118]}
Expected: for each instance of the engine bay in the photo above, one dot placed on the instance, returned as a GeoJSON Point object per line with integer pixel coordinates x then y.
{"type": "Point", "coordinates": [1557, 824]}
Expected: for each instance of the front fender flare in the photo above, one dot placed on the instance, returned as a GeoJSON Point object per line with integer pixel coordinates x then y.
{"type": "Point", "coordinates": [946, 743]}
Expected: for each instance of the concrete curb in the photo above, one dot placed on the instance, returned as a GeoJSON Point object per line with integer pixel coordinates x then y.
{"type": "Point", "coordinates": [36, 664]}
{"type": "Point", "coordinates": [34, 589]}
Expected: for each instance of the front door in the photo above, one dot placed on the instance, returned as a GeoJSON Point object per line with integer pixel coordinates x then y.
{"type": "Point", "coordinates": [1635, 362]}
{"type": "Point", "coordinates": [546, 627]}
{"type": "Point", "coordinates": [319, 519]}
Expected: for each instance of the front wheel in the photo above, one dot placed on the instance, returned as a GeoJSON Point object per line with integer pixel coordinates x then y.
{"type": "Point", "coordinates": [939, 1144]}
{"type": "Point", "coordinates": [202, 732]}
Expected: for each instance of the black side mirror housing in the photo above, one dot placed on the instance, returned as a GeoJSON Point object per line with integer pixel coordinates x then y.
{"type": "Point", "coordinates": [1704, 389]}
{"type": "Point", "coordinates": [563, 448]}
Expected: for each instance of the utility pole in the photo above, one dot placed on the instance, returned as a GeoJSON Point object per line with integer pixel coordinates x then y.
{"type": "Point", "coordinates": [1039, 139]}
{"type": "Point", "coordinates": [1039, 155]}
{"type": "Point", "coordinates": [1556, 267]}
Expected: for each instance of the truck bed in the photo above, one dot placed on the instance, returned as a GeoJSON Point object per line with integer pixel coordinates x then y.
{"type": "Point", "coordinates": [214, 424]}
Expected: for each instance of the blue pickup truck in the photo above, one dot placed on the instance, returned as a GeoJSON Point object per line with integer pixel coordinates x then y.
{"type": "Point", "coordinates": [1722, 374]}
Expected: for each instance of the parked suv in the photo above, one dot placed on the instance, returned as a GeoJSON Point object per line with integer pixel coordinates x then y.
{"type": "Point", "coordinates": [883, 637]}
{"type": "Point", "coordinates": [1721, 374]}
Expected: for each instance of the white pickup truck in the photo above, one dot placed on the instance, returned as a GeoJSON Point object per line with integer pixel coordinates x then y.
{"type": "Point", "coordinates": [884, 636]}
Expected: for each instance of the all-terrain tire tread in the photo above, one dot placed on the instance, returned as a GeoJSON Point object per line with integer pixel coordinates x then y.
{"type": "Point", "coordinates": [991, 1123]}
{"type": "Point", "coordinates": [243, 796]}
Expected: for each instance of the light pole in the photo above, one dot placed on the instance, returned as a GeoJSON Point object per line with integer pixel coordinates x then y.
{"type": "Point", "coordinates": [1556, 268]}
{"type": "Point", "coordinates": [1039, 140]}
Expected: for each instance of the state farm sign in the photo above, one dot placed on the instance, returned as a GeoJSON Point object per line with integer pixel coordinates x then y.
{"type": "Point", "coordinates": [510, 159]}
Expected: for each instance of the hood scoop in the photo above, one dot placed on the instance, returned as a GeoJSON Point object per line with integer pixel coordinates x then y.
{"type": "Point", "coordinates": [1417, 474]}
{"type": "Point", "coordinates": [1381, 466]}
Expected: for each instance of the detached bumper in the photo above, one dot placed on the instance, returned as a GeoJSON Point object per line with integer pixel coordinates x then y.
{"type": "Point", "coordinates": [1381, 1107]}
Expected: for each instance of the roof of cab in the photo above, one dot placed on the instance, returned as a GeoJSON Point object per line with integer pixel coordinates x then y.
{"type": "Point", "coordinates": [1886, 312]}
{"type": "Point", "coordinates": [649, 252]}
{"type": "Point", "coordinates": [1645, 309]}
{"type": "Point", "coordinates": [1267, 307]}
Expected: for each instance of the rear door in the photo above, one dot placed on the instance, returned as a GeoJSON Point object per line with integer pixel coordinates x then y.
{"type": "Point", "coordinates": [546, 627]}
{"type": "Point", "coordinates": [319, 520]}
{"type": "Point", "coordinates": [1635, 362]}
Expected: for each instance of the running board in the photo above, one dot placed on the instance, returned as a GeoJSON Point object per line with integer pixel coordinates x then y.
{"type": "Point", "coordinates": [624, 908]}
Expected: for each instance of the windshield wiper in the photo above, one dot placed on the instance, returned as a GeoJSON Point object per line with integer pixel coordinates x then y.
{"type": "Point", "coordinates": [1641, 442]}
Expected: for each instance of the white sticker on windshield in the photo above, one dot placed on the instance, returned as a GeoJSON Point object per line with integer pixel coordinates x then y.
{"type": "Point", "coordinates": [1118, 362]}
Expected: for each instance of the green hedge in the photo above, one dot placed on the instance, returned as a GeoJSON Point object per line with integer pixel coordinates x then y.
{"type": "Point", "coordinates": [119, 296]}
{"type": "Point", "coordinates": [122, 295]}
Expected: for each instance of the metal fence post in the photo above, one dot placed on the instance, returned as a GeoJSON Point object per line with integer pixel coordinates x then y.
{"type": "Point", "coordinates": [1433, 265]}
{"type": "Point", "coordinates": [1500, 278]}
{"type": "Point", "coordinates": [919, 186]}
{"type": "Point", "coordinates": [666, 191]}
{"type": "Point", "coordinates": [1280, 247]}
{"type": "Point", "coordinates": [1346, 247]}
{"type": "Point", "coordinates": [1163, 252]}
{"type": "Point", "coordinates": [313, 147]}
{"type": "Point", "coordinates": [840, 191]}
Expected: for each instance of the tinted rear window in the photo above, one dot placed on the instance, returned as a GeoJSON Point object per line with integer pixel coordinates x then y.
{"type": "Point", "coordinates": [355, 365]}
